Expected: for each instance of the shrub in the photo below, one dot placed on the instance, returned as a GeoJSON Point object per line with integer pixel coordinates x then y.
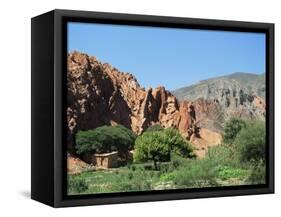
{"type": "Point", "coordinates": [226, 172]}
{"type": "Point", "coordinates": [155, 127]}
{"type": "Point", "coordinates": [258, 173]}
{"type": "Point", "coordinates": [251, 142]}
{"type": "Point", "coordinates": [196, 174]}
{"type": "Point", "coordinates": [166, 177]}
{"type": "Point", "coordinates": [105, 139]}
{"type": "Point", "coordinates": [157, 146]}
{"type": "Point", "coordinates": [177, 161]}
{"type": "Point", "coordinates": [224, 154]}
{"type": "Point", "coordinates": [137, 181]}
{"type": "Point", "coordinates": [232, 128]}
{"type": "Point", "coordinates": [77, 185]}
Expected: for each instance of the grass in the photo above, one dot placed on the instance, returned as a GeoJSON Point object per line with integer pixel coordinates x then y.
{"type": "Point", "coordinates": [218, 168]}
{"type": "Point", "coordinates": [238, 162]}
{"type": "Point", "coordinates": [226, 173]}
{"type": "Point", "coordinates": [116, 180]}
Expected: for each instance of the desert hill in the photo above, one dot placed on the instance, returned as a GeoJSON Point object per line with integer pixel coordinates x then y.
{"type": "Point", "coordinates": [238, 94]}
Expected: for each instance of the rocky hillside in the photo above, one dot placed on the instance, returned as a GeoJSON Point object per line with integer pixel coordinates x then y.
{"type": "Point", "coordinates": [99, 94]}
{"type": "Point", "coordinates": [238, 94]}
{"type": "Point", "coordinates": [214, 88]}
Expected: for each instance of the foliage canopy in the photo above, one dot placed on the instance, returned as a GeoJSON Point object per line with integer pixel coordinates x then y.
{"type": "Point", "coordinates": [232, 128]}
{"type": "Point", "coordinates": [155, 127]}
{"type": "Point", "coordinates": [250, 142]}
{"type": "Point", "coordinates": [157, 146]}
{"type": "Point", "coordinates": [105, 139]}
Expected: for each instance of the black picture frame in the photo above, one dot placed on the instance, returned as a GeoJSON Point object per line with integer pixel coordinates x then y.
{"type": "Point", "coordinates": [48, 69]}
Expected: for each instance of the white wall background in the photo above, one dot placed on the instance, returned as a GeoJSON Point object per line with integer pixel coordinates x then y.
{"type": "Point", "coordinates": [15, 106]}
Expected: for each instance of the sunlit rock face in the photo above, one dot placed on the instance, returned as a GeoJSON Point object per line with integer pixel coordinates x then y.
{"type": "Point", "coordinates": [99, 94]}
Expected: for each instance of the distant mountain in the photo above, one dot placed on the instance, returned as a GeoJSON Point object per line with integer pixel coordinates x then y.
{"type": "Point", "coordinates": [238, 94]}
{"type": "Point", "coordinates": [216, 88]}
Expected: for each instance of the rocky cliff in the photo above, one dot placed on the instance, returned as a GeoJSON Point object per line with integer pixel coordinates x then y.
{"type": "Point", "coordinates": [98, 94]}
{"type": "Point", "coordinates": [218, 99]}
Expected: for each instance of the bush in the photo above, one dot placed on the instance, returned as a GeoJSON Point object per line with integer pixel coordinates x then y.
{"type": "Point", "coordinates": [224, 154]}
{"type": "Point", "coordinates": [155, 127]}
{"type": "Point", "coordinates": [196, 174]}
{"type": "Point", "coordinates": [232, 128]}
{"type": "Point", "coordinates": [226, 173]}
{"type": "Point", "coordinates": [258, 173]}
{"type": "Point", "coordinates": [251, 142]}
{"type": "Point", "coordinates": [177, 162]}
{"type": "Point", "coordinates": [77, 185]}
{"type": "Point", "coordinates": [105, 139]}
{"type": "Point", "coordinates": [157, 146]}
{"type": "Point", "coordinates": [131, 181]}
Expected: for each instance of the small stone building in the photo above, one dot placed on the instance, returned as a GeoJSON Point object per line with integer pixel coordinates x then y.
{"type": "Point", "coordinates": [106, 160]}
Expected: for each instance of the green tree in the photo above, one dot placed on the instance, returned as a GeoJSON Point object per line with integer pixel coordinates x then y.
{"type": "Point", "coordinates": [250, 142]}
{"type": "Point", "coordinates": [105, 139]}
{"type": "Point", "coordinates": [232, 128]}
{"type": "Point", "coordinates": [157, 146]}
{"type": "Point", "coordinates": [155, 127]}
{"type": "Point", "coordinates": [178, 144]}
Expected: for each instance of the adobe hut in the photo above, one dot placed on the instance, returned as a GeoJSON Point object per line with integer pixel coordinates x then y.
{"type": "Point", "coordinates": [106, 160]}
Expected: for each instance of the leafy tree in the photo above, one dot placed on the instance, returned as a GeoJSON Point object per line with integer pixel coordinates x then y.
{"type": "Point", "coordinates": [155, 127]}
{"type": "Point", "coordinates": [250, 142]}
{"type": "Point", "coordinates": [123, 138]}
{"type": "Point", "coordinates": [178, 144]}
{"type": "Point", "coordinates": [232, 128]}
{"type": "Point", "coordinates": [105, 139]}
{"type": "Point", "coordinates": [157, 146]}
{"type": "Point", "coordinates": [151, 146]}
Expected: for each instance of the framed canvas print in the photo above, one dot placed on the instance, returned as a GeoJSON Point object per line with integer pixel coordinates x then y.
{"type": "Point", "coordinates": [131, 108]}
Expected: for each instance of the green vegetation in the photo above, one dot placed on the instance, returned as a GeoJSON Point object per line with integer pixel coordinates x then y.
{"type": "Point", "coordinates": [157, 146]}
{"type": "Point", "coordinates": [163, 159]}
{"type": "Point", "coordinates": [195, 174]}
{"type": "Point", "coordinates": [232, 128]}
{"type": "Point", "coordinates": [258, 173]}
{"type": "Point", "coordinates": [155, 127]}
{"type": "Point", "coordinates": [251, 142]}
{"type": "Point", "coordinates": [77, 185]}
{"type": "Point", "coordinates": [226, 173]}
{"type": "Point", "coordinates": [105, 139]}
{"type": "Point", "coordinates": [116, 180]}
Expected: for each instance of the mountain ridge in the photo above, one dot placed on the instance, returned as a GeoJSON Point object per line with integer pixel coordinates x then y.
{"type": "Point", "coordinates": [236, 95]}
{"type": "Point", "coordinates": [255, 81]}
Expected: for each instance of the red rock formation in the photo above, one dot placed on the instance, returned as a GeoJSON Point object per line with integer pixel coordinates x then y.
{"type": "Point", "coordinates": [209, 114]}
{"type": "Point", "coordinates": [208, 138]}
{"type": "Point", "coordinates": [187, 125]}
{"type": "Point", "coordinates": [99, 94]}
{"type": "Point", "coordinates": [259, 103]}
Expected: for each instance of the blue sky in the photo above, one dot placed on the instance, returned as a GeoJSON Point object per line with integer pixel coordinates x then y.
{"type": "Point", "coordinates": [169, 57]}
